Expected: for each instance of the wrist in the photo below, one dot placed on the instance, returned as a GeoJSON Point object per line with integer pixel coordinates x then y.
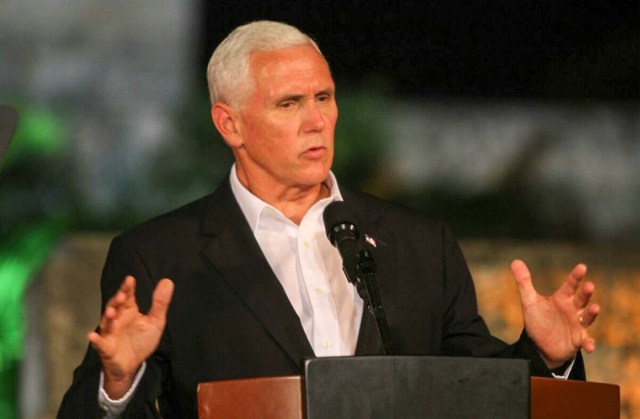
{"type": "Point", "coordinates": [117, 385]}
{"type": "Point", "coordinates": [555, 365]}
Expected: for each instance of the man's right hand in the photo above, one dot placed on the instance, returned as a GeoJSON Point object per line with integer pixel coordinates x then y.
{"type": "Point", "coordinates": [127, 337]}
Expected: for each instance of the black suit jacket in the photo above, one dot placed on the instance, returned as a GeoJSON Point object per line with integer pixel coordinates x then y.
{"type": "Point", "coordinates": [230, 317]}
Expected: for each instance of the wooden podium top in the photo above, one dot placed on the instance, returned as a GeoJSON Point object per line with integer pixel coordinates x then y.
{"type": "Point", "coordinates": [267, 398]}
{"type": "Point", "coordinates": [565, 399]}
{"type": "Point", "coordinates": [282, 398]}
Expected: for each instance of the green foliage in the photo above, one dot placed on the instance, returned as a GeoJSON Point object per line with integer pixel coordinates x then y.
{"type": "Point", "coordinates": [34, 202]}
{"type": "Point", "coordinates": [22, 254]}
{"type": "Point", "coordinates": [39, 133]}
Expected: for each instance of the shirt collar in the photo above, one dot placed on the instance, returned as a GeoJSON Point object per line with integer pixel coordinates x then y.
{"type": "Point", "coordinates": [252, 206]}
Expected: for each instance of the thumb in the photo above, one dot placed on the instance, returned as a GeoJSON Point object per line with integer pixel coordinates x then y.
{"type": "Point", "coordinates": [160, 300]}
{"type": "Point", "coordinates": [528, 293]}
{"type": "Point", "coordinates": [97, 342]}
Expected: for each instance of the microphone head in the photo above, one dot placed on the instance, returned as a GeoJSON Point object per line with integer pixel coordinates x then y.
{"type": "Point", "coordinates": [337, 220]}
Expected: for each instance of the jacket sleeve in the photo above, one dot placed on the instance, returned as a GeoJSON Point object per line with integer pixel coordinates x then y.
{"type": "Point", "coordinates": [465, 332]}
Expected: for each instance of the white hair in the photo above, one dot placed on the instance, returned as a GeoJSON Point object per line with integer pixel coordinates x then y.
{"type": "Point", "coordinates": [228, 74]}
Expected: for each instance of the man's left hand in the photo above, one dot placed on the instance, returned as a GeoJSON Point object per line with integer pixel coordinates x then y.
{"type": "Point", "coordinates": [558, 324]}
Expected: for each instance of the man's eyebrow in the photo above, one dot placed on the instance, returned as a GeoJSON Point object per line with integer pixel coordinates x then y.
{"type": "Point", "coordinates": [327, 91]}
{"type": "Point", "coordinates": [286, 98]}
{"type": "Point", "coordinates": [298, 97]}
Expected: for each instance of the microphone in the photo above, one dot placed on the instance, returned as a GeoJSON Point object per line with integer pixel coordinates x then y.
{"type": "Point", "coordinates": [343, 234]}
{"type": "Point", "coordinates": [357, 264]}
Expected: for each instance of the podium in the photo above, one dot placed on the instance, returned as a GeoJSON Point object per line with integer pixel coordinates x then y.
{"type": "Point", "coordinates": [408, 387]}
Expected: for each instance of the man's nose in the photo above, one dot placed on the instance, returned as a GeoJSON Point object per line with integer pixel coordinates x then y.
{"type": "Point", "coordinates": [315, 119]}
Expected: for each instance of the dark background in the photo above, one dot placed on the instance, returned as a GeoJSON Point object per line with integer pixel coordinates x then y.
{"type": "Point", "coordinates": [483, 49]}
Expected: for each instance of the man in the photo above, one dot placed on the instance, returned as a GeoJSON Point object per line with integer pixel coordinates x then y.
{"type": "Point", "coordinates": [258, 287]}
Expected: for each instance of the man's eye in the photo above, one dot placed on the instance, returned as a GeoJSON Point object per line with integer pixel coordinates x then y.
{"type": "Point", "coordinates": [323, 98]}
{"type": "Point", "coordinates": [287, 105]}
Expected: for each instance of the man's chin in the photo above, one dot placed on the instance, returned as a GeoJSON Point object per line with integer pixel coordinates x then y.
{"type": "Point", "coordinates": [315, 177]}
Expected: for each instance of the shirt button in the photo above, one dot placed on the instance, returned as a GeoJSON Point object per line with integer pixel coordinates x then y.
{"type": "Point", "coordinates": [319, 291]}
{"type": "Point", "coordinates": [326, 344]}
{"type": "Point", "coordinates": [306, 244]}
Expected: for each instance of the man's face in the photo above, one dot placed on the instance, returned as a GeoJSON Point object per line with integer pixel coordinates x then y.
{"type": "Point", "coordinates": [287, 124]}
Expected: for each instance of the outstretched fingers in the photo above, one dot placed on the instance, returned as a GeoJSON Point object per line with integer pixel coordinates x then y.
{"type": "Point", "coordinates": [528, 293]}
{"type": "Point", "coordinates": [589, 315]}
{"type": "Point", "coordinates": [583, 295]}
{"type": "Point", "coordinates": [160, 301]}
{"type": "Point", "coordinates": [572, 284]}
{"type": "Point", "coordinates": [589, 344]}
{"type": "Point", "coordinates": [123, 299]}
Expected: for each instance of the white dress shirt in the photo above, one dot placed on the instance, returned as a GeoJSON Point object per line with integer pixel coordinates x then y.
{"type": "Point", "coordinates": [309, 269]}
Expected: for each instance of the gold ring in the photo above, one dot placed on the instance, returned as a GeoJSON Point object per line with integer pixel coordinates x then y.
{"type": "Point", "coordinates": [581, 320]}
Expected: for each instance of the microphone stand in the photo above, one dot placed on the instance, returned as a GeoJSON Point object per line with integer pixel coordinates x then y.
{"type": "Point", "coordinates": [368, 291]}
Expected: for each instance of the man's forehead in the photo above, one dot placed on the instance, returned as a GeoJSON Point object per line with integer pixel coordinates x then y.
{"type": "Point", "coordinates": [284, 68]}
{"type": "Point", "coordinates": [299, 54]}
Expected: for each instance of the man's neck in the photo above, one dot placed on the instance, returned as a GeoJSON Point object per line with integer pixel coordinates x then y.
{"type": "Point", "coordinates": [295, 208]}
{"type": "Point", "coordinates": [293, 202]}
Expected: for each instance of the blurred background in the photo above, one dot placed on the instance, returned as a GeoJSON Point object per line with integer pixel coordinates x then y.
{"type": "Point", "coordinates": [514, 121]}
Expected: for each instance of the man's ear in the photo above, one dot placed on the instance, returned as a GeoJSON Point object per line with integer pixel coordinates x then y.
{"type": "Point", "coordinates": [226, 120]}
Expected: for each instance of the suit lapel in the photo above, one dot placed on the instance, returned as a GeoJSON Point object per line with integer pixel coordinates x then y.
{"type": "Point", "coordinates": [236, 255]}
